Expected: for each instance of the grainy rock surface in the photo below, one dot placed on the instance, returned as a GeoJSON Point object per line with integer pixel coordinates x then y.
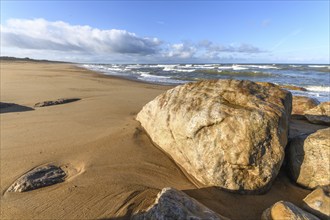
{"type": "Point", "coordinates": [283, 210]}
{"type": "Point", "coordinates": [174, 204]}
{"type": "Point", "coordinates": [318, 202]}
{"type": "Point", "coordinates": [320, 114]}
{"type": "Point", "coordinates": [309, 159]}
{"type": "Point", "coordinates": [300, 104]}
{"type": "Point", "coordinates": [225, 133]}
{"type": "Point", "coordinates": [38, 177]}
{"type": "Point", "coordinates": [55, 102]}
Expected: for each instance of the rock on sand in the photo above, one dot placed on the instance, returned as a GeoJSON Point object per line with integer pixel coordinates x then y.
{"type": "Point", "coordinates": [320, 114]}
{"type": "Point", "coordinates": [283, 210]}
{"type": "Point", "coordinates": [318, 202]}
{"type": "Point", "coordinates": [300, 104]}
{"type": "Point", "coordinates": [55, 102]}
{"type": "Point", "coordinates": [309, 159]}
{"type": "Point", "coordinates": [174, 204]}
{"type": "Point", "coordinates": [38, 177]}
{"type": "Point", "coordinates": [225, 133]}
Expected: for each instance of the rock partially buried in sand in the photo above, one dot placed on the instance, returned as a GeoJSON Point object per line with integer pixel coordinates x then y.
{"type": "Point", "coordinates": [38, 177]}
{"type": "Point", "coordinates": [174, 204]}
{"type": "Point", "coordinates": [309, 159]}
{"type": "Point", "coordinates": [55, 102]}
{"type": "Point", "coordinates": [318, 202]}
{"type": "Point", "coordinates": [225, 133]}
{"type": "Point", "coordinates": [300, 104]}
{"type": "Point", "coordinates": [286, 211]}
{"type": "Point", "coordinates": [320, 114]}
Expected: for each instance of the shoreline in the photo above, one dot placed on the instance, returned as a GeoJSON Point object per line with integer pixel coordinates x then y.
{"type": "Point", "coordinates": [288, 77]}
{"type": "Point", "coordinates": [114, 169]}
{"type": "Point", "coordinates": [103, 75]}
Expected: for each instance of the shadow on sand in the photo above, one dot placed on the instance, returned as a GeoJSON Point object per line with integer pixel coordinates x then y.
{"type": "Point", "coordinates": [12, 107]}
{"type": "Point", "coordinates": [125, 217]}
{"type": "Point", "coordinates": [238, 206]}
{"type": "Point", "coordinates": [246, 206]}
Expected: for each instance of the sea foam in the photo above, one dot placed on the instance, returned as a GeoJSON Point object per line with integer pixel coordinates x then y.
{"type": "Point", "coordinates": [318, 88]}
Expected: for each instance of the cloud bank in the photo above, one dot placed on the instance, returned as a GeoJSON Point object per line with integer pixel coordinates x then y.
{"type": "Point", "coordinates": [54, 39]}
{"type": "Point", "coordinates": [61, 36]}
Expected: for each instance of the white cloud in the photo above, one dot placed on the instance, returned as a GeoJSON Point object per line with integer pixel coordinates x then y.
{"type": "Point", "coordinates": [39, 38]}
{"type": "Point", "coordinates": [241, 48]}
{"type": "Point", "coordinates": [181, 50]}
{"type": "Point", "coordinates": [60, 36]}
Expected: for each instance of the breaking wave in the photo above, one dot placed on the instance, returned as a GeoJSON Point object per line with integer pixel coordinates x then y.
{"type": "Point", "coordinates": [315, 78]}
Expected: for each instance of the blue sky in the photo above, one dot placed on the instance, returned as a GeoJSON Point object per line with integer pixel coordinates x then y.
{"type": "Point", "coordinates": [167, 31]}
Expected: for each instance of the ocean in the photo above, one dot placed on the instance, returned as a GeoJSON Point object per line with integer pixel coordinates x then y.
{"type": "Point", "coordinates": [314, 78]}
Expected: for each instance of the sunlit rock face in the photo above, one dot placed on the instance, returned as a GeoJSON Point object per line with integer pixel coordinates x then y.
{"type": "Point", "coordinates": [320, 114]}
{"type": "Point", "coordinates": [309, 159]}
{"type": "Point", "coordinates": [286, 210]}
{"type": "Point", "coordinates": [225, 133]}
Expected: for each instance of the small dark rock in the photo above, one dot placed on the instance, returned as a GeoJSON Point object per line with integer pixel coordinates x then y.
{"type": "Point", "coordinates": [38, 177]}
{"type": "Point", "coordinates": [55, 102]}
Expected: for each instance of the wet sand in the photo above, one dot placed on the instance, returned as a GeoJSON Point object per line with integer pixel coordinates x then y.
{"type": "Point", "coordinates": [113, 168]}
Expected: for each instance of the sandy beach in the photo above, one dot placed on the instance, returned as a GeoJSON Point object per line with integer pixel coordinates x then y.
{"type": "Point", "coordinates": [114, 169]}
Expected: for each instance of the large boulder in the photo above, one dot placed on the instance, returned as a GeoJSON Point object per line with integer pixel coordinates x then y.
{"type": "Point", "coordinates": [300, 104]}
{"type": "Point", "coordinates": [283, 210]}
{"type": "Point", "coordinates": [318, 202]}
{"type": "Point", "coordinates": [309, 159]}
{"type": "Point", "coordinates": [174, 204]}
{"type": "Point", "coordinates": [320, 114]}
{"type": "Point", "coordinates": [225, 133]}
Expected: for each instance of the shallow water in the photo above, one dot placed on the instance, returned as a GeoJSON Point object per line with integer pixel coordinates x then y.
{"type": "Point", "coordinates": [315, 78]}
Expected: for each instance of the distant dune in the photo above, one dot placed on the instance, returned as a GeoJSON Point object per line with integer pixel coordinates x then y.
{"type": "Point", "coordinates": [27, 59]}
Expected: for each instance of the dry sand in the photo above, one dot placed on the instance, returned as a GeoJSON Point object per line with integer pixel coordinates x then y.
{"type": "Point", "coordinates": [114, 169]}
